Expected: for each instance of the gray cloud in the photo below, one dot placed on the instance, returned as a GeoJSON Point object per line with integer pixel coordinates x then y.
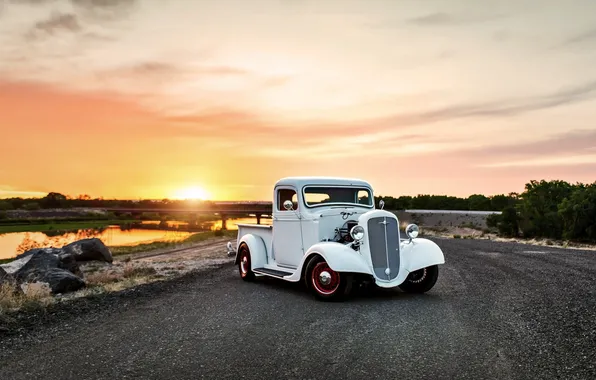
{"type": "Point", "coordinates": [579, 38]}
{"type": "Point", "coordinates": [399, 121]}
{"type": "Point", "coordinates": [445, 19]}
{"type": "Point", "coordinates": [58, 22]}
{"type": "Point", "coordinates": [105, 9]}
{"type": "Point", "coordinates": [156, 68]}
{"type": "Point", "coordinates": [515, 106]}
{"type": "Point", "coordinates": [581, 141]}
{"type": "Point", "coordinates": [103, 3]}
{"type": "Point", "coordinates": [437, 18]}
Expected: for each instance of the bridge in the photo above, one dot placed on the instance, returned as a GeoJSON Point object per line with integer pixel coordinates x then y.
{"type": "Point", "coordinates": [224, 210]}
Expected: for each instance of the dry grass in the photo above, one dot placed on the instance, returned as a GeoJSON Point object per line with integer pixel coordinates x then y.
{"type": "Point", "coordinates": [138, 271]}
{"type": "Point", "coordinates": [32, 296]}
{"type": "Point", "coordinates": [101, 278]}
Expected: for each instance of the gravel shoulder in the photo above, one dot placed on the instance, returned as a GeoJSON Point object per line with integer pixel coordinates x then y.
{"type": "Point", "coordinates": [499, 310]}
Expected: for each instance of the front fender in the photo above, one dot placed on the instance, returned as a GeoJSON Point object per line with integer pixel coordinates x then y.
{"type": "Point", "coordinates": [339, 257]}
{"type": "Point", "coordinates": [258, 251]}
{"type": "Point", "coordinates": [421, 253]}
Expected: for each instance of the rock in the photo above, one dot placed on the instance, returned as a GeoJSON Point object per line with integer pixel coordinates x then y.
{"type": "Point", "coordinates": [32, 265]}
{"type": "Point", "coordinates": [69, 263]}
{"type": "Point", "coordinates": [55, 251]}
{"type": "Point", "coordinates": [59, 267]}
{"type": "Point", "coordinates": [61, 280]}
{"type": "Point", "coordinates": [4, 276]}
{"type": "Point", "coordinates": [88, 250]}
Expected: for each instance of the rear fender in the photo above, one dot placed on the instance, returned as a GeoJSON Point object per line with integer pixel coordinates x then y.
{"type": "Point", "coordinates": [421, 253]}
{"type": "Point", "coordinates": [258, 251]}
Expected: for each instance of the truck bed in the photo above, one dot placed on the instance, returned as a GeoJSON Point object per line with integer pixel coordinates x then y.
{"type": "Point", "coordinates": [250, 225]}
{"type": "Point", "coordinates": [265, 232]}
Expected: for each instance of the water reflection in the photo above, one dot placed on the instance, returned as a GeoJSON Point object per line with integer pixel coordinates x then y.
{"type": "Point", "coordinates": [15, 243]}
{"type": "Point", "coordinates": [12, 244]}
{"type": "Point", "coordinates": [231, 224]}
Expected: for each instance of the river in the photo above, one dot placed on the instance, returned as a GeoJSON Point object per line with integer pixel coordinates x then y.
{"type": "Point", "coordinates": [13, 243]}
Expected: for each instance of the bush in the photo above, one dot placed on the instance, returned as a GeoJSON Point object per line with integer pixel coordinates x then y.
{"type": "Point", "coordinates": [509, 223]}
{"type": "Point", "coordinates": [578, 214]}
{"type": "Point", "coordinates": [539, 209]}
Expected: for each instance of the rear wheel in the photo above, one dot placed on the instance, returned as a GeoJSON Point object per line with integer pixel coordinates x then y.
{"type": "Point", "coordinates": [325, 283]}
{"type": "Point", "coordinates": [421, 281]}
{"type": "Point", "coordinates": [244, 267]}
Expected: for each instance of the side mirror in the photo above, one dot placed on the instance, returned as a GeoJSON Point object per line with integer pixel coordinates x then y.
{"type": "Point", "coordinates": [288, 205]}
{"type": "Point", "coordinates": [381, 204]}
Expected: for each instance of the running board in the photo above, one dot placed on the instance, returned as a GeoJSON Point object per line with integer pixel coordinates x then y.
{"type": "Point", "coordinates": [272, 272]}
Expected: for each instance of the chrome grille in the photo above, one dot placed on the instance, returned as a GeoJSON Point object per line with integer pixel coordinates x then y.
{"type": "Point", "coordinates": [383, 242]}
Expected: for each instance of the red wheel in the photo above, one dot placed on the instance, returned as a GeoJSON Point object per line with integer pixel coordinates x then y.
{"type": "Point", "coordinates": [324, 279]}
{"type": "Point", "coordinates": [324, 282]}
{"type": "Point", "coordinates": [244, 264]}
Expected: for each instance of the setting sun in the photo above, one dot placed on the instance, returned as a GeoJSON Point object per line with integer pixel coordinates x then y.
{"type": "Point", "coordinates": [194, 192]}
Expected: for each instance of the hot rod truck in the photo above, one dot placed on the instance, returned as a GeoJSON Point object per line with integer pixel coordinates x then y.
{"type": "Point", "coordinates": [328, 233]}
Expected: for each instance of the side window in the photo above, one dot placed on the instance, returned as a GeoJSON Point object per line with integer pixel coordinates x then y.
{"type": "Point", "coordinates": [284, 195]}
{"type": "Point", "coordinates": [364, 197]}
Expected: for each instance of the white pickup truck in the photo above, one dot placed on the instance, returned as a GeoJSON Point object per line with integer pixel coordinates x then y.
{"type": "Point", "coordinates": [328, 233]}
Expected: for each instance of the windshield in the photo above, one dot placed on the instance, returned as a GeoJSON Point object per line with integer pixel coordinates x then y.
{"type": "Point", "coordinates": [325, 195]}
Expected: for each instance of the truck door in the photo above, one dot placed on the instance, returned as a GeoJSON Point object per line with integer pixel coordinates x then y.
{"type": "Point", "coordinates": [287, 234]}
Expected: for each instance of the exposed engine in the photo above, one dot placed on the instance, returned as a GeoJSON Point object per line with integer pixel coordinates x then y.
{"type": "Point", "coordinates": [342, 234]}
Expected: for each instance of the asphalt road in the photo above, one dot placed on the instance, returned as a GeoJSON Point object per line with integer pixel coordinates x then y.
{"type": "Point", "coordinates": [498, 311]}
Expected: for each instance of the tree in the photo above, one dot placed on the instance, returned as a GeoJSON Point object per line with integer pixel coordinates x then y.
{"type": "Point", "coordinates": [479, 202]}
{"type": "Point", "coordinates": [53, 200]}
{"type": "Point", "coordinates": [578, 214]}
{"type": "Point", "coordinates": [539, 208]}
{"type": "Point", "coordinates": [5, 205]}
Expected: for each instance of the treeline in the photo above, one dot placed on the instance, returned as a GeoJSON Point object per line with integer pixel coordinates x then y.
{"type": "Point", "coordinates": [475, 202]}
{"type": "Point", "coordinates": [551, 209]}
{"type": "Point", "coordinates": [547, 209]}
{"type": "Point", "coordinates": [433, 202]}
{"type": "Point", "coordinates": [56, 200]}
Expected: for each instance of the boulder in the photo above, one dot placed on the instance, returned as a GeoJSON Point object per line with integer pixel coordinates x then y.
{"type": "Point", "coordinates": [61, 280]}
{"type": "Point", "coordinates": [59, 267]}
{"type": "Point", "coordinates": [4, 276]}
{"type": "Point", "coordinates": [32, 264]}
{"type": "Point", "coordinates": [92, 249]}
{"type": "Point", "coordinates": [35, 251]}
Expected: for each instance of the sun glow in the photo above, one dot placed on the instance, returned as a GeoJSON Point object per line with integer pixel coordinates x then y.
{"type": "Point", "coordinates": [194, 192]}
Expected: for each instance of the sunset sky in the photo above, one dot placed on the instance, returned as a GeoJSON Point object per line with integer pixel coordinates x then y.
{"type": "Point", "coordinates": [147, 98]}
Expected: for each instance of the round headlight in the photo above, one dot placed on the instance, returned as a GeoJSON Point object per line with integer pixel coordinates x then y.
{"type": "Point", "coordinates": [412, 231]}
{"type": "Point", "coordinates": [357, 233]}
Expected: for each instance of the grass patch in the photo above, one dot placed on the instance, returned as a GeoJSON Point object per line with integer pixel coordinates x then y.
{"type": "Point", "coordinates": [34, 296]}
{"type": "Point", "coordinates": [144, 271]}
{"type": "Point", "coordinates": [194, 238]}
{"type": "Point", "coordinates": [60, 226]}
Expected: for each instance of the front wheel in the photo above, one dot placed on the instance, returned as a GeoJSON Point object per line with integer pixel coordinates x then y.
{"type": "Point", "coordinates": [325, 283]}
{"type": "Point", "coordinates": [421, 281]}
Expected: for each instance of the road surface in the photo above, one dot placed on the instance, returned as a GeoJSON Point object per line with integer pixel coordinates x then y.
{"type": "Point", "coordinates": [498, 311]}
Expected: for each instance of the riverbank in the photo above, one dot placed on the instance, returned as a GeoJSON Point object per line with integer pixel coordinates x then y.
{"type": "Point", "coordinates": [57, 225]}
{"type": "Point", "coordinates": [131, 267]}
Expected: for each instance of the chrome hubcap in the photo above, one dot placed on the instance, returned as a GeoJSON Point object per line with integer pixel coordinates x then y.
{"type": "Point", "coordinates": [325, 278]}
{"type": "Point", "coordinates": [244, 264]}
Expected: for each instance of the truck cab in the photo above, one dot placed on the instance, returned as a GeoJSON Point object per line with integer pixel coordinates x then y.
{"type": "Point", "coordinates": [327, 232]}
